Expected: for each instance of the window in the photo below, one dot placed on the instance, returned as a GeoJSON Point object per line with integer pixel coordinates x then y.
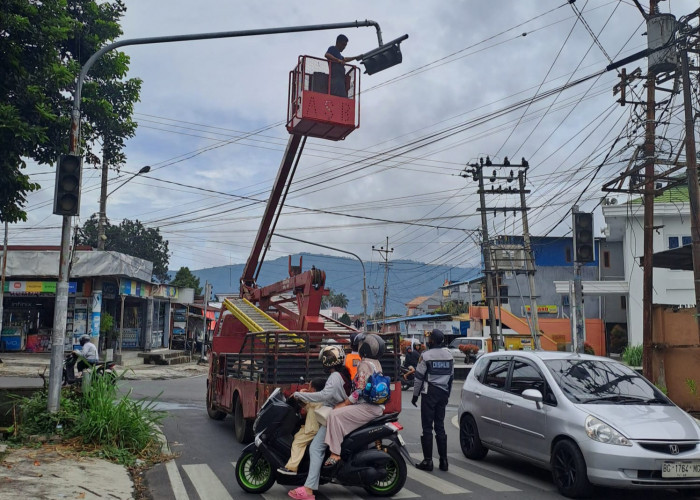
{"type": "Point", "coordinates": [497, 373]}
{"type": "Point", "coordinates": [676, 241]}
{"type": "Point", "coordinates": [568, 254]}
{"type": "Point", "coordinates": [672, 242]}
{"type": "Point", "coordinates": [623, 302]}
{"type": "Point", "coordinates": [526, 376]}
{"type": "Point", "coordinates": [686, 240]}
{"type": "Point", "coordinates": [606, 259]}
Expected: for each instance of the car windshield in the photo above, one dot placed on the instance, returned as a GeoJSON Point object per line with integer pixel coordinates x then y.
{"type": "Point", "coordinates": [602, 382]}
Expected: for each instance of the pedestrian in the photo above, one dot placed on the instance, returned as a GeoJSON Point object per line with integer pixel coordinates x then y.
{"type": "Point", "coordinates": [433, 382]}
{"type": "Point", "coordinates": [337, 63]}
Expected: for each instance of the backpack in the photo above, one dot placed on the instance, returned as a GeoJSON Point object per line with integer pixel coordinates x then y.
{"type": "Point", "coordinates": [377, 388]}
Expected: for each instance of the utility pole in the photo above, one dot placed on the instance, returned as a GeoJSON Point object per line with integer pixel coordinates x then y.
{"type": "Point", "coordinates": [2, 273]}
{"type": "Point", "coordinates": [578, 324]}
{"type": "Point", "coordinates": [384, 253]}
{"type": "Point", "coordinates": [529, 263]}
{"type": "Point", "coordinates": [205, 331]}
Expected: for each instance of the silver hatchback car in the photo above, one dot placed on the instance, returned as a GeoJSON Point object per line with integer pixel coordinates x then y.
{"type": "Point", "coordinates": [588, 419]}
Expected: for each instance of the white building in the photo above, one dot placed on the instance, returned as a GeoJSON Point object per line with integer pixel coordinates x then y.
{"type": "Point", "coordinates": [625, 223]}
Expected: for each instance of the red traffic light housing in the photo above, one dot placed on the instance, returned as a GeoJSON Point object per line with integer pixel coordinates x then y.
{"type": "Point", "coordinates": [383, 57]}
{"type": "Point", "coordinates": [67, 194]}
{"type": "Point", "coordinates": [583, 237]}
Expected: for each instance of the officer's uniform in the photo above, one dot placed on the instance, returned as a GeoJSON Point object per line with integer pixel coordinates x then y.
{"type": "Point", "coordinates": [433, 381]}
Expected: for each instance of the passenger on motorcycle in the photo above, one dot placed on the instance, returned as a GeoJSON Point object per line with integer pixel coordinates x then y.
{"type": "Point", "coordinates": [336, 390]}
{"type": "Point", "coordinates": [355, 411]}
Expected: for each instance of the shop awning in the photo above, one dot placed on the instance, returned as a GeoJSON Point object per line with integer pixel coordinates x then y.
{"type": "Point", "coordinates": [680, 258]}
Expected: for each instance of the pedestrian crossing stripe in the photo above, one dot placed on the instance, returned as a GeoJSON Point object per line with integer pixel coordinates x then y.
{"type": "Point", "coordinates": [486, 482]}
{"type": "Point", "coordinates": [206, 483]}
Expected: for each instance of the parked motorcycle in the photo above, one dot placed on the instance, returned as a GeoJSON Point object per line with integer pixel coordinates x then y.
{"type": "Point", "coordinates": [103, 368]}
{"type": "Point", "coordinates": [372, 456]}
{"type": "Point", "coordinates": [407, 377]}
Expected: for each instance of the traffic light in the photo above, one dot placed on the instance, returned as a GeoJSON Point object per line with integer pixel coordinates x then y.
{"type": "Point", "coordinates": [383, 57]}
{"type": "Point", "coordinates": [583, 237]}
{"type": "Point", "coordinates": [66, 199]}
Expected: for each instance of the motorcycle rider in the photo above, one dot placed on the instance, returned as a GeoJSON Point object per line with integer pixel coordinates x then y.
{"type": "Point", "coordinates": [353, 359]}
{"type": "Point", "coordinates": [433, 381]}
{"type": "Point", "coordinates": [88, 352]}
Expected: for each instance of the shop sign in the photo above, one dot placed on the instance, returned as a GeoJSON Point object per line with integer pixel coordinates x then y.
{"type": "Point", "coordinates": [168, 291]}
{"type": "Point", "coordinates": [95, 314]}
{"type": "Point", "coordinates": [134, 288]}
{"type": "Point", "coordinates": [550, 309]}
{"type": "Point", "coordinates": [109, 290]}
{"type": "Point", "coordinates": [48, 287]}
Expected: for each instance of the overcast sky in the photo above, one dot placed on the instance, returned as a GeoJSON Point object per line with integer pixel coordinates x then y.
{"type": "Point", "coordinates": [211, 125]}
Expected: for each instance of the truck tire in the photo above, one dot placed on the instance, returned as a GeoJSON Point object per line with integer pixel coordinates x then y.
{"type": "Point", "coordinates": [242, 426]}
{"type": "Point", "coordinates": [211, 411]}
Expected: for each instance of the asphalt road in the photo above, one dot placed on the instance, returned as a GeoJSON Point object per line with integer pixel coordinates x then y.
{"type": "Point", "coordinates": [207, 449]}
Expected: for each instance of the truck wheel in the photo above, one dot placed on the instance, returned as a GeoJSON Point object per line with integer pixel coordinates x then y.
{"type": "Point", "coordinates": [256, 478]}
{"type": "Point", "coordinates": [211, 411]}
{"type": "Point", "coordinates": [242, 426]}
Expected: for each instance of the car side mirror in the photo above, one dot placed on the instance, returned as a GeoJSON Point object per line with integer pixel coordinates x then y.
{"type": "Point", "coordinates": [533, 395]}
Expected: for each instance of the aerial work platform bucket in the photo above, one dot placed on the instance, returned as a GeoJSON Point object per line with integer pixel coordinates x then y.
{"type": "Point", "coordinates": [324, 99]}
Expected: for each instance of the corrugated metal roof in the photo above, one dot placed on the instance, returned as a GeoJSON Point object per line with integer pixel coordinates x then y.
{"type": "Point", "coordinates": [678, 194]}
{"type": "Point", "coordinates": [420, 317]}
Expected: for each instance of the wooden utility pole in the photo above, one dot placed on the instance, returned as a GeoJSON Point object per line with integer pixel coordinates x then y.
{"type": "Point", "coordinates": [384, 252]}
{"type": "Point", "coordinates": [529, 263]}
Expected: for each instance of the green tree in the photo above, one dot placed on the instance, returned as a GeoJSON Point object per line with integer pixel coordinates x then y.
{"type": "Point", "coordinates": [345, 318]}
{"type": "Point", "coordinates": [185, 278]}
{"type": "Point", "coordinates": [334, 300]}
{"type": "Point", "coordinates": [43, 45]}
{"type": "Point", "coordinates": [131, 238]}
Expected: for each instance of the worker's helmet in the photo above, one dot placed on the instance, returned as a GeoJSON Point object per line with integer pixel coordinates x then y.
{"type": "Point", "coordinates": [332, 355]}
{"type": "Point", "coordinates": [436, 338]}
{"type": "Point", "coordinates": [84, 340]}
{"type": "Point", "coordinates": [355, 341]}
{"type": "Point", "coordinates": [372, 346]}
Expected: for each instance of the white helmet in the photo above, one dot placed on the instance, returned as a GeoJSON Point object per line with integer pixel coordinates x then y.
{"type": "Point", "coordinates": [332, 355]}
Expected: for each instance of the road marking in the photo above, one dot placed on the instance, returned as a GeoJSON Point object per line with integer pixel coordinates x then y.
{"type": "Point", "coordinates": [522, 478]}
{"type": "Point", "coordinates": [337, 491]}
{"type": "Point", "coordinates": [179, 492]}
{"type": "Point", "coordinates": [454, 421]}
{"type": "Point", "coordinates": [435, 482]}
{"type": "Point", "coordinates": [277, 492]}
{"type": "Point", "coordinates": [404, 493]}
{"type": "Point", "coordinates": [206, 483]}
{"type": "Point", "coordinates": [473, 477]}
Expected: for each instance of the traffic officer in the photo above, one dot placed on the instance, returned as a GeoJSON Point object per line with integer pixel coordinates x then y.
{"type": "Point", "coordinates": [434, 376]}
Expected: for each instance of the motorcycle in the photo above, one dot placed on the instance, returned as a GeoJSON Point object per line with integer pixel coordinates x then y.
{"type": "Point", "coordinates": [100, 369]}
{"type": "Point", "coordinates": [371, 456]}
{"type": "Point", "coordinates": [407, 377]}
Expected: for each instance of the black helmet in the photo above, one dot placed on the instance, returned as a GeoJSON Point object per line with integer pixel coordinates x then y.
{"type": "Point", "coordinates": [436, 338]}
{"type": "Point", "coordinates": [355, 341]}
{"type": "Point", "coordinates": [84, 340]}
{"type": "Point", "coordinates": [372, 346]}
{"type": "Point", "coordinates": [332, 355]}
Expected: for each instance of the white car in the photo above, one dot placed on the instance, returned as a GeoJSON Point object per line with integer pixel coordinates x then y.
{"type": "Point", "coordinates": [459, 356]}
{"type": "Point", "coordinates": [590, 420]}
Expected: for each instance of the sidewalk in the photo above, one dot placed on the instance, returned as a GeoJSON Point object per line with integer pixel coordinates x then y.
{"type": "Point", "coordinates": [53, 472]}
{"type": "Point", "coordinates": [25, 364]}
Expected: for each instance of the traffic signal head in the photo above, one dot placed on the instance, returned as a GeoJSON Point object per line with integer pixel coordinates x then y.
{"type": "Point", "coordinates": [67, 195]}
{"type": "Point", "coordinates": [583, 237]}
{"type": "Point", "coordinates": [383, 57]}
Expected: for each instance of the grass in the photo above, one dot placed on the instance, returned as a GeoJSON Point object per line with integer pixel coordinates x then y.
{"type": "Point", "coordinates": [113, 426]}
{"type": "Point", "coordinates": [632, 355]}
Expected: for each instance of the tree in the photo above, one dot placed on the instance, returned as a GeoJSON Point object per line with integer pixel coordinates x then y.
{"type": "Point", "coordinates": [185, 278]}
{"type": "Point", "coordinates": [334, 300]}
{"type": "Point", "coordinates": [345, 318]}
{"type": "Point", "coordinates": [131, 238]}
{"type": "Point", "coordinates": [43, 45]}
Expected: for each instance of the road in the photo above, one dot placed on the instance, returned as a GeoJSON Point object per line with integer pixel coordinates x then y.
{"type": "Point", "coordinates": [207, 451]}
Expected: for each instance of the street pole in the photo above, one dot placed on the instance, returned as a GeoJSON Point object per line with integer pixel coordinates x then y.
{"type": "Point", "coordinates": [384, 253]}
{"type": "Point", "coordinates": [692, 173]}
{"type": "Point", "coordinates": [530, 264]}
{"type": "Point", "coordinates": [488, 271]}
{"type": "Point", "coordinates": [364, 275]}
{"type": "Point", "coordinates": [205, 330]}
{"type": "Point", "coordinates": [2, 274]}
{"type": "Point", "coordinates": [648, 270]}
{"type": "Point", "coordinates": [103, 205]}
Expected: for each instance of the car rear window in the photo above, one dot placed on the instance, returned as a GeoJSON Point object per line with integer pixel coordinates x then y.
{"type": "Point", "coordinates": [497, 373]}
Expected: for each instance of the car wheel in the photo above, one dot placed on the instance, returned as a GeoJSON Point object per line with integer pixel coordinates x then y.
{"type": "Point", "coordinates": [569, 471]}
{"type": "Point", "coordinates": [469, 439]}
{"type": "Point", "coordinates": [211, 410]}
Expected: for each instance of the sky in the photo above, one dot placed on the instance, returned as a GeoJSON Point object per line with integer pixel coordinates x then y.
{"type": "Point", "coordinates": [477, 79]}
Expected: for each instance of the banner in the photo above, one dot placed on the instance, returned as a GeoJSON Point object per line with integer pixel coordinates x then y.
{"type": "Point", "coordinates": [550, 309]}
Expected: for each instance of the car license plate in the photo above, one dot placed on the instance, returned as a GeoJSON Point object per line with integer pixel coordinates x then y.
{"type": "Point", "coordinates": [680, 469]}
{"type": "Point", "coordinates": [401, 440]}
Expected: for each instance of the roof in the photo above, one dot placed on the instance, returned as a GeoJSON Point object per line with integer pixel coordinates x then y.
{"type": "Point", "coordinates": [677, 194]}
{"type": "Point", "coordinates": [417, 301]}
{"type": "Point", "coordinates": [680, 258]}
{"type": "Point", "coordinates": [420, 317]}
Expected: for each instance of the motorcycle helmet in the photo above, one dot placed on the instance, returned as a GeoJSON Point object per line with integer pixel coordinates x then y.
{"type": "Point", "coordinates": [355, 341]}
{"type": "Point", "coordinates": [436, 338]}
{"type": "Point", "coordinates": [332, 355]}
{"type": "Point", "coordinates": [84, 340]}
{"type": "Point", "coordinates": [372, 346]}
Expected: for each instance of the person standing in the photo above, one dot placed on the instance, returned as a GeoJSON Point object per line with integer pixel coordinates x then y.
{"type": "Point", "coordinates": [433, 382]}
{"type": "Point", "coordinates": [337, 62]}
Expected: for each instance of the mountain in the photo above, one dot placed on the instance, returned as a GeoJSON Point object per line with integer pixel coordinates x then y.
{"type": "Point", "coordinates": [406, 279]}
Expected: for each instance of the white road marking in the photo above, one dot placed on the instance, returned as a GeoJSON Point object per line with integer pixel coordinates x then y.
{"type": "Point", "coordinates": [435, 482]}
{"type": "Point", "coordinates": [176, 483]}
{"type": "Point", "coordinates": [206, 483]}
{"type": "Point", "coordinates": [522, 478]}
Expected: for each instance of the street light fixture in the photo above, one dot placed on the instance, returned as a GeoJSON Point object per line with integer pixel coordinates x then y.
{"type": "Point", "coordinates": [101, 238]}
